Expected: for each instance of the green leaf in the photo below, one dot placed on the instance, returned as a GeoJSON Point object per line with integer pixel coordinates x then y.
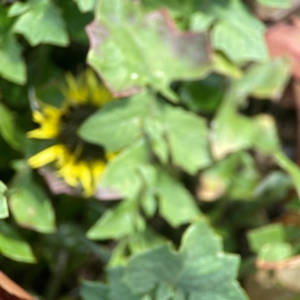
{"type": "Point", "coordinates": [236, 30]}
{"type": "Point", "coordinates": [291, 168]}
{"type": "Point", "coordinates": [42, 23]}
{"type": "Point", "coordinates": [199, 270]}
{"type": "Point", "coordinates": [224, 66]}
{"type": "Point", "coordinates": [3, 204]}
{"type": "Point", "coordinates": [31, 208]}
{"type": "Point", "coordinates": [236, 176]}
{"type": "Point", "coordinates": [85, 5]}
{"type": "Point", "coordinates": [119, 290]}
{"type": "Point", "coordinates": [117, 223]}
{"type": "Point", "coordinates": [145, 49]}
{"type": "Point", "coordinates": [13, 246]}
{"type": "Point", "coordinates": [12, 65]}
{"type": "Point", "coordinates": [144, 240]}
{"type": "Point", "coordinates": [276, 3]}
{"type": "Point", "coordinates": [117, 124]}
{"type": "Point", "coordinates": [264, 81]}
{"type": "Point", "coordinates": [93, 290]}
{"type": "Point", "coordinates": [17, 8]}
{"type": "Point", "coordinates": [187, 137]}
{"type": "Point", "coordinates": [273, 233]}
{"type": "Point", "coordinates": [275, 251]}
{"type": "Point", "coordinates": [200, 21]}
{"type": "Point", "coordinates": [176, 204]}
{"type": "Point", "coordinates": [122, 174]}
{"type": "Point", "coordinates": [235, 41]}
{"type": "Point", "coordinates": [232, 132]}
{"type": "Point", "coordinates": [156, 133]}
{"type": "Point", "coordinates": [7, 127]}
{"type": "Point", "coordinates": [270, 242]}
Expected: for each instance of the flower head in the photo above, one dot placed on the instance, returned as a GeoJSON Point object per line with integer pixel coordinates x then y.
{"type": "Point", "coordinates": [78, 162]}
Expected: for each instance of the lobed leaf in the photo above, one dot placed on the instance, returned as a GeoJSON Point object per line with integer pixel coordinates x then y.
{"type": "Point", "coordinates": [41, 22]}
{"type": "Point", "coordinates": [199, 270]}
{"type": "Point", "coordinates": [145, 49]}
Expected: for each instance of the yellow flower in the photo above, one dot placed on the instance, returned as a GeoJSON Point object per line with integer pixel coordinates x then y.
{"type": "Point", "coordinates": [76, 161]}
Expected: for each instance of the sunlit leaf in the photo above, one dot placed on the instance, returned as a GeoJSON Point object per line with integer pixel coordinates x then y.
{"type": "Point", "coordinates": [232, 132]}
{"type": "Point", "coordinates": [235, 30]}
{"type": "Point", "coordinates": [42, 23]}
{"type": "Point", "coordinates": [145, 49]}
{"type": "Point", "coordinates": [275, 252]}
{"type": "Point", "coordinates": [85, 5]}
{"type": "Point", "coordinates": [270, 243]}
{"type": "Point", "coordinates": [264, 81]}
{"type": "Point", "coordinates": [225, 67]}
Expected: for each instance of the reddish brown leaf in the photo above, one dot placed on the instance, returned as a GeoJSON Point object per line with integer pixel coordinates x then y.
{"type": "Point", "coordinates": [284, 40]}
{"type": "Point", "coordinates": [278, 265]}
{"type": "Point", "coordinates": [11, 291]}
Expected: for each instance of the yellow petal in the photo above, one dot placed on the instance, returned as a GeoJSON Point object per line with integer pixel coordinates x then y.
{"type": "Point", "coordinates": [69, 173]}
{"type": "Point", "coordinates": [38, 117]}
{"type": "Point", "coordinates": [97, 169]}
{"type": "Point", "coordinates": [101, 96]}
{"type": "Point", "coordinates": [51, 112]}
{"type": "Point", "coordinates": [45, 132]}
{"type": "Point", "coordinates": [85, 177]}
{"type": "Point", "coordinates": [46, 156]}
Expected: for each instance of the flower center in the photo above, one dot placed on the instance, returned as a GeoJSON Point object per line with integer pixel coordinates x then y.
{"type": "Point", "coordinates": [70, 123]}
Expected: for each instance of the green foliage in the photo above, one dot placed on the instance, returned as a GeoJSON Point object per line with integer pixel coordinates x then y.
{"type": "Point", "coordinates": [40, 22]}
{"type": "Point", "coordinates": [7, 127]}
{"type": "Point", "coordinates": [13, 246]}
{"type": "Point", "coordinates": [270, 243]}
{"type": "Point", "coordinates": [191, 139]}
{"type": "Point", "coordinates": [131, 46]}
{"type": "Point", "coordinates": [3, 203]}
{"type": "Point", "coordinates": [12, 64]}
{"type": "Point", "coordinates": [161, 273]}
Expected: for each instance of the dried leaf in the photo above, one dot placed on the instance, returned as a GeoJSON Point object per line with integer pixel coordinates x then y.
{"type": "Point", "coordinates": [284, 40]}
{"type": "Point", "coordinates": [10, 290]}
